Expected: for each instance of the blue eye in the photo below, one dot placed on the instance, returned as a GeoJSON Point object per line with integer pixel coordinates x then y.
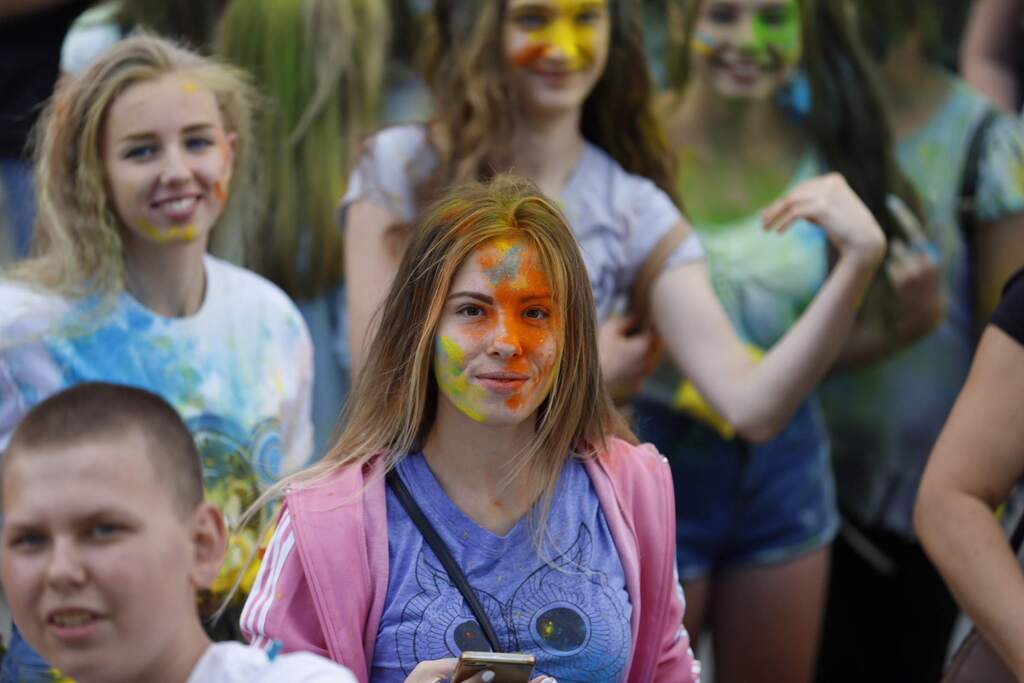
{"type": "Point", "coordinates": [531, 19]}
{"type": "Point", "coordinates": [198, 143]}
{"type": "Point", "coordinates": [470, 311]}
{"type": "Point", "coordinates": [722, 13]}
{"type": "Point", "coordinates": [588, 17]}
{"type": "Point", "coordinates": [104, 531]}
{"type": "Point", "coordinates": [140, 152]}
{"type": "Point", "coordinates": [28, 541]}
{"type": "Point", "coordinates": [536, 314]}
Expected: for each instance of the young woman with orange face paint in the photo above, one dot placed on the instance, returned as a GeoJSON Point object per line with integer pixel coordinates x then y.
{"type": "Point", "coordinates": [484, 395]}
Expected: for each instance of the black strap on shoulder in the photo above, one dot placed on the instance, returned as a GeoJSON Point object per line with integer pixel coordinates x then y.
{"type": "Point", "coordinates": [969, 175]}
{"type": "Point", "coordinates": [1017, 537]}
{"type": "Point", "coordinates": [441, 550]}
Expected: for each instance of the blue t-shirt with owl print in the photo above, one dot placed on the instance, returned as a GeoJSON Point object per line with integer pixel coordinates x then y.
{"type": "Point", "coordinates": [566, 604]}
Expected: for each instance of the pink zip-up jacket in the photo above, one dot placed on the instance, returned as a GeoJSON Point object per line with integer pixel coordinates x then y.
{"type": "Point", "coordinates": [324, 578]}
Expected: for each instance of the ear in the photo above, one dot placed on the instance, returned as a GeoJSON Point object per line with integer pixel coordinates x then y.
{"type": "Point", "coordinates": [209, 543]}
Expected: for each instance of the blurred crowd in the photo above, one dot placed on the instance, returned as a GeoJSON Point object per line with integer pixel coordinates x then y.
{"type": "Point", "coordinates": [800, 223]}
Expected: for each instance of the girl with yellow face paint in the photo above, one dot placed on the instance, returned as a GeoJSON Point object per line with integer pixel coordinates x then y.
{"type": "Point", "coordinates": [556, 51]}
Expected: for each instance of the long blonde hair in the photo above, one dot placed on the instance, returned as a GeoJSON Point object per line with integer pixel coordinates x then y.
{"type": "Point", "coordinates": [393, 404]}
{"type": "Point", "coordinates": [77, 247]}
{"type": "Point", "coordinates": [320, 64]}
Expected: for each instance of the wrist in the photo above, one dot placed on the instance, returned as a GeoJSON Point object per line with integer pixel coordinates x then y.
{"type": "Point", "coordinates": [867, 256]}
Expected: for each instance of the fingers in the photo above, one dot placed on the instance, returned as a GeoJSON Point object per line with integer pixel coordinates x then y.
{"type": "Point", "coordinates": [908, 267]}
{"type": "Point", "coordinates": [433, 671]}
{"type": "Point", "coordinates": [907, 220]}
{"type": "Point", "coordinates": [781, 215]}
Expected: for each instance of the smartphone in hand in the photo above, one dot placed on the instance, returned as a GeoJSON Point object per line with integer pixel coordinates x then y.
{"type": "Point", "coordinates": [508, 667]}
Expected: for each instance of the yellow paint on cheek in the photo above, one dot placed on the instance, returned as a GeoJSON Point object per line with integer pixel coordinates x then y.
{"type": "Point", "coordinates": [178, 233]}
{"type": "Point", "coordinates": [704, 44]}
{"type": "Point", "coordinates": [189, 86]}
{"type": "Point", "coordinates": [449, 363]}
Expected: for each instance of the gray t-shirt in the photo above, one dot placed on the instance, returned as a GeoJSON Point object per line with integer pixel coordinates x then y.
{"type": "Point", "coordinates": [617, 217]}
{"type": "Point", "coordinates": [570, 607]}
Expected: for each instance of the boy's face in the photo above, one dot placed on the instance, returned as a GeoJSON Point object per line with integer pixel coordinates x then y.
{"type": "Point", "coordinates": [99, 564]}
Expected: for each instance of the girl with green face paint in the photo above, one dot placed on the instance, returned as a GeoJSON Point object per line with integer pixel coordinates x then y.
{"type": "Point", "coordinates": [756, 118]}
{"type": "Point", "coordinates": [748, 49]}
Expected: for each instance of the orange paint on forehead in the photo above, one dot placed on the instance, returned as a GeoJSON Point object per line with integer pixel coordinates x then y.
{"type": "Point", "coordinates": [520, 282]}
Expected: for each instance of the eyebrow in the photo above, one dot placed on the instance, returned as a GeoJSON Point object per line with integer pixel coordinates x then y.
{"type": "Point", "coordinates": [147, 135]}
{"type": "Point", "coordinates": [490, 300]}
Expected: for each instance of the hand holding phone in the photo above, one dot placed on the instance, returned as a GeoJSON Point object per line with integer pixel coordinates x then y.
{"type": "Point", "coordinates": [508, 667]}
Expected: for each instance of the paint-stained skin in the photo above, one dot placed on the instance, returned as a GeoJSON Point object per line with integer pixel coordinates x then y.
{"type": "Point", "coordinates": [167, 159]}
{"type": "Point", "coordinates": [178, 233]}
{"type": "Point", "coordinates": [565, 26]}
{"type": "Point", "coordinates": [769, 32]}
{"type": "Point", "coordinates": [499, 318]}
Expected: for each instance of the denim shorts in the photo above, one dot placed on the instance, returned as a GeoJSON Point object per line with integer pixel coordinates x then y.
{"type": "Point", "coordinates": [740, 504]}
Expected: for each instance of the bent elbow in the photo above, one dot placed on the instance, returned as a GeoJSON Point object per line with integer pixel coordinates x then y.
{"type": "Point", "coordinates": [758, 428]}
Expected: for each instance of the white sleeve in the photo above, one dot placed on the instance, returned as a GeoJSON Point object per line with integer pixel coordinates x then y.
{"type": "Point", "coordinates": [652, 214]}
{"type": "Point", "coordinates": [392, 163]}
{"type": "Point", "coordinates": [305, 667]}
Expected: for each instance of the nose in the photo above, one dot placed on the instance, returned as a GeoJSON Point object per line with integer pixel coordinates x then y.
{"type": "Point", "coordinates": [65, 569]}
{"type": "Point", "coordinates": [505, 342]}
{"type": "Point", "coordinates": [744, 33]}
{"type": "Point", "coordinates": [175, 168]}
{"type": "Point", "coordinates": [564, 41]}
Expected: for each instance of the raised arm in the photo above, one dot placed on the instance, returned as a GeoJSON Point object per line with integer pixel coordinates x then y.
{"type": "Point", "coordinates": [976, 461]}
{"type": "Point", "coordinates": [370, 265]}
{"type": "Point", "coordinates": [758, 398]}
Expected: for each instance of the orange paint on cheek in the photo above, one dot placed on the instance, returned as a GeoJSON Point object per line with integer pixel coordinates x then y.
{"type": "Point", "coordinates": [219, 192]}
{"type": "Point", "coordinates": [530, 54]}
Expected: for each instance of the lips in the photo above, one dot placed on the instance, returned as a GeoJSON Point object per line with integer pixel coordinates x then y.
{"type": "Point", "coordinates": [552, 77]}
{"type": "Point", "coordinates": [502, 382]}
{"type": "Point", "coordinates": [73, 624]}
{"type": "Point", "coordinates": [179, 208]}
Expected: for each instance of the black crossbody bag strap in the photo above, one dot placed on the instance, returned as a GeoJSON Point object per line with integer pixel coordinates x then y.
{"type": "Point", "coordinates": [969, 175]}
{"type": "Point", "coordinates": [441, 550]}
{"type": "Point", "coordinates": [1017, 538]}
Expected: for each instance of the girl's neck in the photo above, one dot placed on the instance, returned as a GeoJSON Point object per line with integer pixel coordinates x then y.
{"type": "Point", "coordinates": [547, 149]}
{"type": "Point", "coordinates": [733, 128]}
{"type": "Point", "coordinates": [169, 280]}
{"type": "Point", "coordinates": [912, 87]}
{"type": "Point", "coordinates": [472, 461]}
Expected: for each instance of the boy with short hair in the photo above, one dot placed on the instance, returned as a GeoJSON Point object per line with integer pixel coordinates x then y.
{"type": "Point", "coordinates": [106, 539]}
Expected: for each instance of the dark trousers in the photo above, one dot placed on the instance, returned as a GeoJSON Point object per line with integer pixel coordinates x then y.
{"type": "Point", "coordinates": [884, 623]}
